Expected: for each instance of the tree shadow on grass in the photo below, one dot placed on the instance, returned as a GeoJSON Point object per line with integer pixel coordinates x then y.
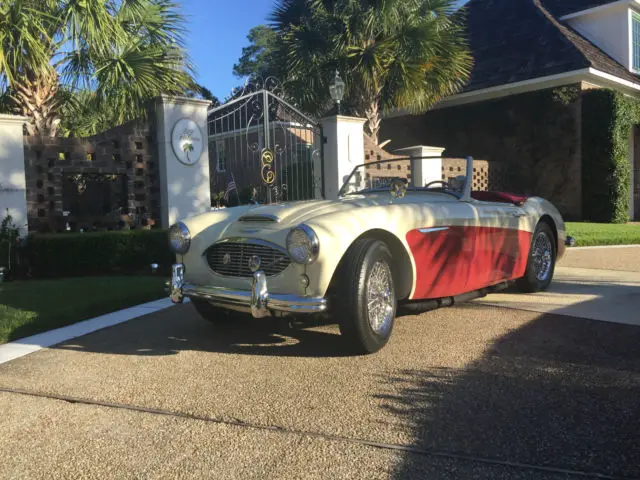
{"type": "Point", "coordinates": [558, 392]}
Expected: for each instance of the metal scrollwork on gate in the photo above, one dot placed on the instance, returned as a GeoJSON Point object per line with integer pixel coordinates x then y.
{"type": "Point", "coordinates": [260, 136]}
{"type": "Point", "coordinates": [268, 172]}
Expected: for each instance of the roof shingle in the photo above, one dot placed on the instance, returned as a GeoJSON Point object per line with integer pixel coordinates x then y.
{"type": "Point", "coordinates": [529, 43]}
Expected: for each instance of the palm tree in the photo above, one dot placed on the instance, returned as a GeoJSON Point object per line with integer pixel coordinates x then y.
{"type": "Point", "coordinates": [123, 51]}
{"type": "Point", "coordinates": [392, 53]}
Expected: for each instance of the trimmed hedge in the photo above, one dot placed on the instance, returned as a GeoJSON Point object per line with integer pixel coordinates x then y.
{"type": "Point", "coordinates": [607, 121]}
{"type": "Point", "coordinates": [96, 253]}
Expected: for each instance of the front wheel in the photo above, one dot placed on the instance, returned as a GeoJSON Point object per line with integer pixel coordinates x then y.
{"type": "Point", "coordinates": [368, 304]}
{"type": "Point", "coordinates": [541, 262]}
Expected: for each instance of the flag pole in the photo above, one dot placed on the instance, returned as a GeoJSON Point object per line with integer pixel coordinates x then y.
{"type": "Point", "coordinates": [234, 182]}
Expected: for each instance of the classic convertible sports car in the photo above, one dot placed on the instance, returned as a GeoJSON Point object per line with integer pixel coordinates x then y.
{"type": "Point", "coordinates": [382, 245]}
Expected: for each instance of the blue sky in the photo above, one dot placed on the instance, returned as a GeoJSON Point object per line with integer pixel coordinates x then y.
{"type": "Point", "coordinates": [217, 31]}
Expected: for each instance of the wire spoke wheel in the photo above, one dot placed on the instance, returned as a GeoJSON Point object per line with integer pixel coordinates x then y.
{"type": "Point", "coordinates": [380, 297]}
{"type": "Point", "coordinates": [542, 254]}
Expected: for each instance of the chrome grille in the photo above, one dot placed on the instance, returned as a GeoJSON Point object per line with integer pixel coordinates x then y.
{"type": "Point", "coordinates": [272, 260]}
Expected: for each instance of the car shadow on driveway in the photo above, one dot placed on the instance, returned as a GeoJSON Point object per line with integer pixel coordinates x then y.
{"type": "Point", "coordinates": [558, 393]}
{"type": "Point", "coordinates": [180, 328]}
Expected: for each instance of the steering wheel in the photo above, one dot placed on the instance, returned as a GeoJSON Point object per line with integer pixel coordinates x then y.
{"type": "Point", "coordinates": [398, 188]}
{"type": "Point", "coordinates": [445, 185]}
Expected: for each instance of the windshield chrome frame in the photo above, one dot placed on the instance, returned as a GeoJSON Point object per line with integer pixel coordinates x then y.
{"type": "Point", "coordinates": [464, 196]}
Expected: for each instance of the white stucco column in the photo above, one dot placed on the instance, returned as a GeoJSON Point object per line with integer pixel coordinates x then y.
{"type": "Point", "coordinates": [183, 155]}
{"type": "Point", "coordinates": [343, 151]}
{"type": "Point", "coordinates": [424, 170]}
{"type": "Point", "coordinates": [13, 185]}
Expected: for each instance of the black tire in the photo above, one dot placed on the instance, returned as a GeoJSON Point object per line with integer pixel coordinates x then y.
{"type": "Point", "coordinates": [352, 309]}
{"type": "Point", "coordinates": [532, 281]}
{"type": "Point", "coordinates": [216, 315]}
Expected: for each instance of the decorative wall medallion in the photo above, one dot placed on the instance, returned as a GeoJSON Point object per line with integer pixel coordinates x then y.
{"type": "Point", "coordinates": [187, 141]}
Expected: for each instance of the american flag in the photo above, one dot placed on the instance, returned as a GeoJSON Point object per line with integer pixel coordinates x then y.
{"type": "Point", "coordinates": [231, 186]}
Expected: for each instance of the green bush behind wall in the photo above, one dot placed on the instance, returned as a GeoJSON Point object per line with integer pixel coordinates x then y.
{"type": "Point", "coordinates": [607, 121]}
{"type": "Point", "coordinates": [99, 253]}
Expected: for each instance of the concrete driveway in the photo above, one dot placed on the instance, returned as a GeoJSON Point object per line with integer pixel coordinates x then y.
{"type": "Point", "coordinates": [474, 391]}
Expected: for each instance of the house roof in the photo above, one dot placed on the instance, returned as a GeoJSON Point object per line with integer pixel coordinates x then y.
{"type": "Point", "coordinates": [530, 42]}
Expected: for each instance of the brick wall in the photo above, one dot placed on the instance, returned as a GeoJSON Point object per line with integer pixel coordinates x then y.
{"type": "Point", "coordinates": [485, 176]}
{"type": "Point", "coordinates": [532, 140]}
{"type": "Point", "coordinates": [125, 154]}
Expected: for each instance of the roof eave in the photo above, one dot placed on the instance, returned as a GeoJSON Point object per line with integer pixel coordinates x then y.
{"type": "Point", "coordinates": [590, 75]}
{"type": "Point", "coordinates": [598, 8]}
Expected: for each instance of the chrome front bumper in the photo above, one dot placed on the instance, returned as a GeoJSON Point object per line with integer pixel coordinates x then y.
{"type": "Point", "coordinates": [258, 301]}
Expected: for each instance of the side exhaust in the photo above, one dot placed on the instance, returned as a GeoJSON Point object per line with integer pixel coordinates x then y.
{"type": "Point", "coordinates": [427, 305]}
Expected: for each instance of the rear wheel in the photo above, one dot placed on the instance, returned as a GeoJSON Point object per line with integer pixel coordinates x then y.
{"type": "Point", "coordinates": [541, 262]}
{"type": "Point", "coordinates": [217, 315]}
{"type": "Point", "coordinates": [367, 307]}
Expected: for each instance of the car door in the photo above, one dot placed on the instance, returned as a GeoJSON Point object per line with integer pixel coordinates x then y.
{"type": "Point", "coordinates": [500, 246]}
{"type": "Point", "coordinates": [442, 248]}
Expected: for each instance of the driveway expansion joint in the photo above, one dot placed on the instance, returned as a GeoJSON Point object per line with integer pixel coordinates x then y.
{"type": "Point", "coordinates": [317, 435]}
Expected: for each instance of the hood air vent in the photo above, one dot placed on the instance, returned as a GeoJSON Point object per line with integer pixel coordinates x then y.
{"type": "Point", "coordinates": [262, 218]}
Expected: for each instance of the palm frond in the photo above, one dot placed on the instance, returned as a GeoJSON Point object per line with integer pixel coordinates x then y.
{"type": "Point", "coordinates": [393, 53]}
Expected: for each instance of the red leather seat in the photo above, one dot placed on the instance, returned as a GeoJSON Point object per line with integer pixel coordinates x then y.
{"type": "Point", "coordinates": [501, 197]}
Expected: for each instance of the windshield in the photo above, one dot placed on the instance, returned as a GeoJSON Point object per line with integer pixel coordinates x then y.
{"type": "Point", "coordinates": [417, 174]}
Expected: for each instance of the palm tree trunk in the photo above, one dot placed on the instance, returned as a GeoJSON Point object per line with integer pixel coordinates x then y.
{"type": "Point", "coordinates": [372, 113]}
{"type": "Point", "coordinates": [36, 98]}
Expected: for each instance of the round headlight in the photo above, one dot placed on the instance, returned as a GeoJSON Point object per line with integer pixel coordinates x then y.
{"type": "Point", "coordinates": [303, 244]}
{"type": "Point", "coordinates": [179, 238]}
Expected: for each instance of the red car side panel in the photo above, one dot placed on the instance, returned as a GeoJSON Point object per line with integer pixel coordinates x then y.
{"type": "Point", "coordinates": [461, 259]}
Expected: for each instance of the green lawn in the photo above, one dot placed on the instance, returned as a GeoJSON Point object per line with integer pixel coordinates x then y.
{"type": "Point", "coordinates": [33, 306]}
{"type": "Point", "coordinates": [590, 234]}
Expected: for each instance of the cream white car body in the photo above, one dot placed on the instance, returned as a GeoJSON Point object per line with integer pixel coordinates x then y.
{"type": "Point", "coordinates": [338, 223]}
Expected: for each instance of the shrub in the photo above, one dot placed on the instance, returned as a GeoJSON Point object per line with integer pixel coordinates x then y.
{"type": "Point", "coordinates": [96, 253]}
{"type": "Point", "coordinates": [607, 121]}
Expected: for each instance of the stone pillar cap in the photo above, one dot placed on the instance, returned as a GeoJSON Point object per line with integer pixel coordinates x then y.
{"type": "Point", "coordinates": [5, 118]}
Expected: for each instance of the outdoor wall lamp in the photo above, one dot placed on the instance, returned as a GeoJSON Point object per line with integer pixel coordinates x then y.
{"type": "Point", "coordinates": [336, 90]}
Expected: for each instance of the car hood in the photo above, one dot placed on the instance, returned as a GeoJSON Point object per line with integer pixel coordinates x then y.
{"type": "Point", "coordinates": [249, 219]}
{"type": "Point", "coordinates": [289, 214]}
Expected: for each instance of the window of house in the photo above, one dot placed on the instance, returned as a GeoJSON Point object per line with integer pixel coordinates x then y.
{"type": "Point", "coordinates": [635, 41]}
{"type": "Point", "coordinates": [221, 156]}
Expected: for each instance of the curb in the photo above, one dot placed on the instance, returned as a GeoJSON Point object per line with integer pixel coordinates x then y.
{"type": "Point", "coordinates": [569, 249]}
{"type": "Point", "coordinates": [24, 346]}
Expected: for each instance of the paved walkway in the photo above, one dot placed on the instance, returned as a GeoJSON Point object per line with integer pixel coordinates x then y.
{"type": "Point", "coordinates": [594, 283]}
{"type": "Point", "coordinates": [473, 391]}
{"type": "Point", "coordinates": [606, 295]}
{"type": "Point", "coordinates": [603, 258]}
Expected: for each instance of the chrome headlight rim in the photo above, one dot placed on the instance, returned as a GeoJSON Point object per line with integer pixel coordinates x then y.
{"type": "Point", "coordinates": [313, 248]}
{"type": "Point", "coordinates": [181, 232]}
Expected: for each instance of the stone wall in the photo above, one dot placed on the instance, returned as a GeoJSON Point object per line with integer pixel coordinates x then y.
{"type": "Point", "coordinates": [533, 139]}
{"type": "Point", "coordinates": [126, 153]}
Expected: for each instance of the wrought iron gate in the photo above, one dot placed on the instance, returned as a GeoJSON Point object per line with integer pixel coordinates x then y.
{"type": "Point", "coordinates": [266, 146]}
